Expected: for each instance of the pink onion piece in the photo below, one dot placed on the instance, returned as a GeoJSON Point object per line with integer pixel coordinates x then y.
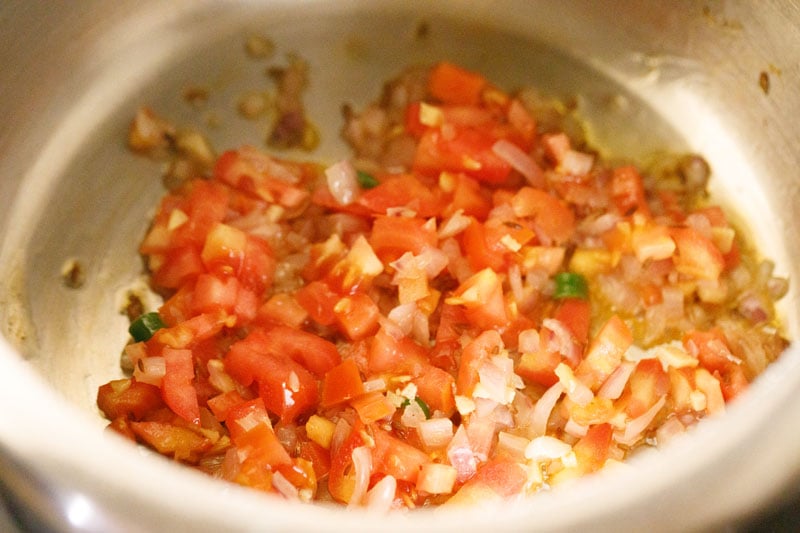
{"type": "Point", "coordinates": [460, 456]}
{"type": "Point", "coordinates": [543, 408]}
{"type": "Point", "coordinates": [342, 182]}
{"type": "Point", "coordinates": [150, 370]}
{"type": "Point", "coordinates": [613, 386]}
{"type": "Point", "coordinates": [519, 161]}
{"type": "Point", "coordinates": [576, 163]}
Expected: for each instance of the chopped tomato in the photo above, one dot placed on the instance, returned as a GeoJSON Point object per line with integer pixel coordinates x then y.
{"type": "Point", "coordinates": [475, 353]}
{"type": "Point", "coordinates": [176, 387]}
{"type": "Point", "coordinates": [452, 84]}
{"type": "Point", "coordinates": [390, 354]}
{"type": "Point", "coordinates": [319, 302]}
{"type": "Point", "coordinates": [605, 352]}
{"type": "Point", "coordinates": [592, 449]}
{"type": "Point", "coordinates": [404, 190]}
{"type": "Point", "coordinates": [357, 316]}
{"type": "Point", "coordinates": [647, 384]}
{"type": "Point", "coordinates": [465, 150]}
{"type": "Point", "coordinates": [341, 383]}
{"type": "Point", "coordinates": [393, 236]}
{"type": "Point", "coordinates": [696, 255]}
{"type": "Point", "coordinates": [128, 398]}
{"type": "Point", "coordinates": [550, 214]}
{"type": "Point", "coordinates": [712, 350]}
{"type": "Point", "coordinates": [393, 457]}
{"type": "Point", "coordinates": [435, 388]}
{"type": "Point", "coordinates": [627, 191]}
{"type": "Point", "coordinates": [181, 443]}
{"type": "Point", "coordinates": [287, 388]}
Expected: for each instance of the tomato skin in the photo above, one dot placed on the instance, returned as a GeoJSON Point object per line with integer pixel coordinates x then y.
{"type": "Point", "coordinates": [176, 386]}
{"type": "Point", "coordinates": [128, 398]}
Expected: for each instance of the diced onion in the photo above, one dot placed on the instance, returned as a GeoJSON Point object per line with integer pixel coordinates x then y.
{"type": "Point", "coordinates": [577, 391]}
{"type": "Point", "coordinates": [362, 466]}
{"type": "Point", "coordinates": [342, 182]}
{"type": "Point", "coordinates": [454, 225]}
{"type": "Point", "coordinates": [546, 448]}
{"type": "Point", "coordinates": [437, 478]}
{"type": "Point", "coordinates": [519, 161]}
{"type": "Point", "coordinates": [460, 455]}
{"type": "Point", "coordinates": [150, 370]}
{"type": "Point", "coordinates": [513, 445]}
{"type": "Point", "coordinates": [576, 163]}
{"type": "Point", "coordinates": [436, 432]}
{"type": "Point", "coordinates": [543, 408]}
{"type": "Point", "coordinates": [575, 429]}
{"type": "Point", "coordinates": [381, 496]}
{"type": "Point", "coordinates": [613, 386]}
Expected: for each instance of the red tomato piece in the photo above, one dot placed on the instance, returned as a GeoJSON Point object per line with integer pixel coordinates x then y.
{"type": "Point", "coordinates": [711, 348]}
{"type": "Point", "coordinates": [592, 449]}
{"type": "Point", "coordinates": [318, 300]}
{"type": "Point", "coordinates": [404, 190]}
{"type": "Point", "coordinates": [696, 255]}
{"type": "Point", "coordinates": [393, 236]}
{"type": "Point", "coordinates": [182, 443]}
{"type": "Point", "coordinates": [287, 388]}
{"type": "Point", "coordinates": [357, 316]}
{"type": "Point", "coordinates": [465, 150]}
{"type": "Point", "coordinates": [180, 266]}
{"type": "Point", "coordinates": [213, 293]}
{"type": "Point", "coordinates": [341, 478]}
{"type": "Point", "coordinates": [627, 191]}
{"type": "Point", "coordinates": [435, 388]}
{"type": "Point", "coordinates": [552, 215]}
{"type": "Point", "coordinates": [647, 384]}
{"type": "Point", "coordinates": [312, 351]}
{"type": "Point", "coordinates": [475, 353]}
{"type": "Point", "coordinates": [393, 457]}
{"type": "Point", "coordinates": [452, 84]}
{"type": "Point", "coordinates": [341, 383]}
{"type": "Point", "coordinates": [128, 398]}
{"type": "Point", "coordinates": [575, 314]}
{"type": "Point", "coordinates": [399, 356]}
{"type": "Point", "coordinates": [605, 352]}
{"type": "Point", "coordinates": [176, 386]}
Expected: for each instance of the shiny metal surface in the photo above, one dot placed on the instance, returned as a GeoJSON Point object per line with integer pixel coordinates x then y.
{"type": "Point", "coordinates": [649, 74]}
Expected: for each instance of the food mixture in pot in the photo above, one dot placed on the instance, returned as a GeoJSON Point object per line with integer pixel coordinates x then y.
{"type": "Point", "coordinates": [473, 306]}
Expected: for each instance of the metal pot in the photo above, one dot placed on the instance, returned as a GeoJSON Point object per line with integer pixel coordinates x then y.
{"type": "Point", "coordinates": [718, 78]}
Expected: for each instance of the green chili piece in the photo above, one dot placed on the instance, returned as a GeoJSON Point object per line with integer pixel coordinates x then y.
{"type": "Point", "coordinates": [366, 180]}
{"type": "Point", "coordinates": [570, 285]}
{"type": "Point", "coordinates": [145, 326]}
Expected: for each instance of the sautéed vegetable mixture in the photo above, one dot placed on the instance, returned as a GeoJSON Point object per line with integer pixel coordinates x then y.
{"type": "Point", "coordinates": [474, 305]}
